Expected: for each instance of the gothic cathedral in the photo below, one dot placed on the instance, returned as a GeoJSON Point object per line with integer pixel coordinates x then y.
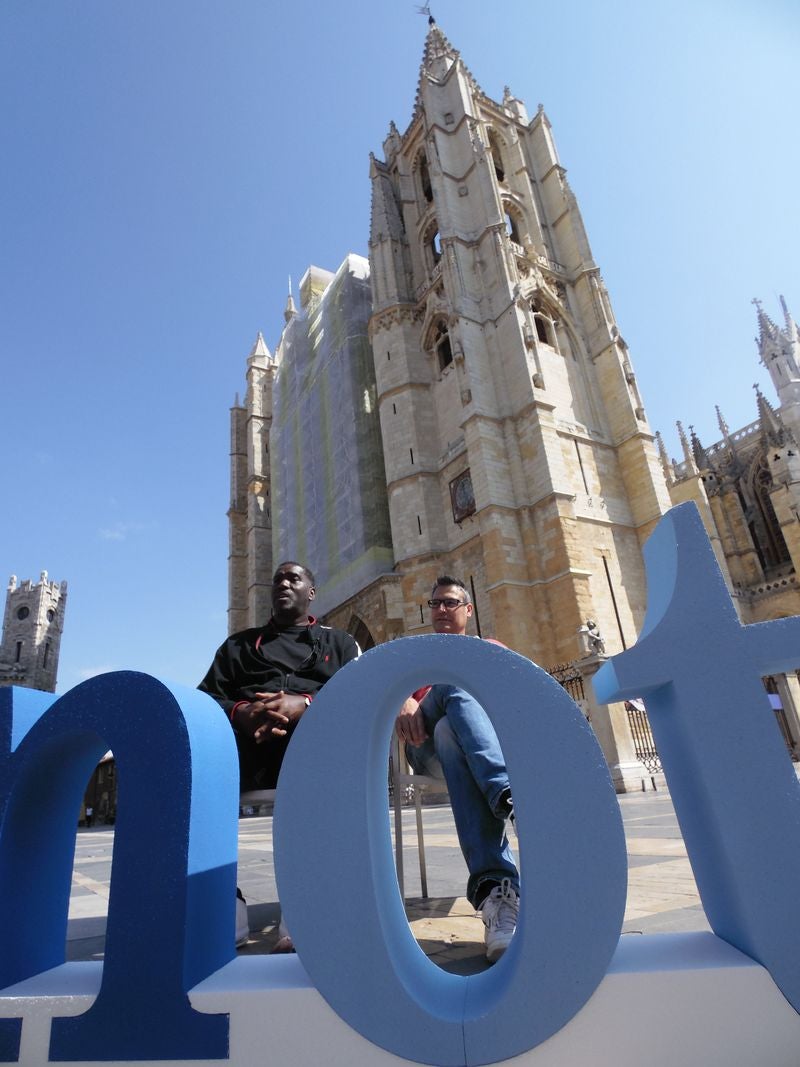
{"type": "Point", "coordinates": [464, 404]}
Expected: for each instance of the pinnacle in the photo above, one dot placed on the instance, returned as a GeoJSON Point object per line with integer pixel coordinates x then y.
{"type": "Point", "coordinates": [766, 327]}
{"type": "Point", "coordinates": [723, 425]}
{"type": "Point", "coordinates": [290, 310]}
{"type": "Point", "coordinates": [437, 58]}
{"type": "Point", "coordinates": [698, 451]}
{"type": "Point", "coordinates": [260, 347]}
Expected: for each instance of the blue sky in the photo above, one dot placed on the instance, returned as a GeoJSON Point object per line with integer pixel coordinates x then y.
{"type": "Point", "coordinates": [168, 165]}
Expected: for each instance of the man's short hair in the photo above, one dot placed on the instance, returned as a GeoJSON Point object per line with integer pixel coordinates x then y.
{"type": "Point", "coordinates": [448, 579]}
{"type": "Point", "coordinates": [293, 563]}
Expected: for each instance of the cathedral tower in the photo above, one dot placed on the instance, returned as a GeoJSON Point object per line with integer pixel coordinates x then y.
{"type": "Point", "coordinates": [249, 517]}
{"type": "Point", "coordinates": [464, 404]}
{"type": "Point", "coordinates": [779, 351]}
{"type": "Point", "coordinates": [516, 445]}
{"type": "Point", "coordinates": [32, 628]}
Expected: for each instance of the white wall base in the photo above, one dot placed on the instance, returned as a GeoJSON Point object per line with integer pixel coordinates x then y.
{"type": "Point", "coordinates": [667, 999]}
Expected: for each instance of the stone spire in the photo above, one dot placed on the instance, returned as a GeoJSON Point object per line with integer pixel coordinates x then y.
{"type": "Point", "coordinates": [666, 464]}
{"type": "Point", "coordinates": [290, 310]}
{"type": "Point", "coordinates": [259, 353]}
{"type": "Point", "coordinates": [515, 106]}
{"type": "Point", "coordinates": [439, 55]}
{"type": "Point", "coordinates": [792, 328]}
{"type": "Point", "coordinates": [723, 426]}
{"type": "Point", "coordinates": [773, 432]}
{"type": "Point", "coordinates": [438, 58]}
{"type": "Point", "coordinates": [688, 455]}
{"type": "Point", "coordinates": [699, 453]}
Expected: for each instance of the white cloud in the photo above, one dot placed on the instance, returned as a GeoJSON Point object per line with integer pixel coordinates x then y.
{"type": "Point", "coordinates": [117, 532]}
{"type": "Point", "coordinates": [120, 530]}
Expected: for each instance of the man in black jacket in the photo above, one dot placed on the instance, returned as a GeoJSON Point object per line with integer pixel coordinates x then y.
{"type": "Point", "coordinates": [265, 677]}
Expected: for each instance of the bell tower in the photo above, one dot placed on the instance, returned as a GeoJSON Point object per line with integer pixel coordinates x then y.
{"type": "Point", "coordinates": [517, 449]}
{"type": "Point", "coordinates": [32, 626]}
{"type": "Point", "coordinates": [249, 514]}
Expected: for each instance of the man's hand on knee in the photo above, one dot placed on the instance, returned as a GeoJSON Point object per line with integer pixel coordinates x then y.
{"type": "Point", "coordinates": [410, 724]}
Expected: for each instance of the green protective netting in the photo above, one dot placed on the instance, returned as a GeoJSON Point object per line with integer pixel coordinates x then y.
{"type": "Point", "coordinates": [329, 504]}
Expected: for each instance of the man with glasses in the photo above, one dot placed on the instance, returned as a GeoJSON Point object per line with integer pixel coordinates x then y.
{"type": "Point", "coordinates": [448, 734]}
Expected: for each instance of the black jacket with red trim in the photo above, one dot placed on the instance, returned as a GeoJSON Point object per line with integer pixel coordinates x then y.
{"type": "Point", "coordinates": [242, 666]}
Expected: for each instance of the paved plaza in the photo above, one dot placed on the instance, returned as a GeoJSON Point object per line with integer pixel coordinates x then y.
{"type": "Point", "coordinates": [662, 896]}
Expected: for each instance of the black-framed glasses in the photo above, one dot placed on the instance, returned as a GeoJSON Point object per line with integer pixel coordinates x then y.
{"type": "Point", "coordinates": [448, 602]}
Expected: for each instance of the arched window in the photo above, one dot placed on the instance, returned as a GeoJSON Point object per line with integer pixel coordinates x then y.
{"type": "Point", "coordinates": [764, 526]}
{"type": "Point", "coordinates": [543, 325]}
{"type": "Point", "coordinates": [541, 328]}
{"type": "Point", "coordinates": [497, 156]}
{"type": "Point", "coordinates": [425, 177]}
{"type": "Point", "coordinates": [440, 344]}
{"type": "Point", "coordinates": [359, 630]}
{"type": "Point", "coordinates": [512, 224]}
{"type": "Point", "coordinates": [433, 244]}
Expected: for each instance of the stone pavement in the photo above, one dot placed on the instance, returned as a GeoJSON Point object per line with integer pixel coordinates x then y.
{"type": "Point", "coordinates": [662, 896]}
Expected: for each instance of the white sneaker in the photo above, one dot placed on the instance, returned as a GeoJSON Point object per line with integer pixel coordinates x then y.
{"type": "Point", "coordinates": [242, 922]}
{"type": "Point", "coordinates": [284, 943]}
{"type": "Point", "coordinates": [499, 912]}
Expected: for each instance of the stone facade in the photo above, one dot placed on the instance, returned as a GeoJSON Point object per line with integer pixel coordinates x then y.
{"type": "Point", "coordinates": [747, 489]}
{"type": "Point", "coordinates": [32, 626]}
{"type": "Point", "coordinates": [515, 448]}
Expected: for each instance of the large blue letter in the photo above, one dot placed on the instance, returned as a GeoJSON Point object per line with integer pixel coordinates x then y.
{"type": "Point", "coordinates": [735, 792]}
{"type": "Point", "coordinates": [171, 906]}
{"type": "Point", "coordinates": [336, 874]}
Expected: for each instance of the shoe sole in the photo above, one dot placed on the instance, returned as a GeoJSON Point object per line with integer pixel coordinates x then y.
{"type": "Point", "coordinates": [494, 953]}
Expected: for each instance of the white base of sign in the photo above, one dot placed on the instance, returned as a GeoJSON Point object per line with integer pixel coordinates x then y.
{"type": "Point", "coordinates": [667, 999]}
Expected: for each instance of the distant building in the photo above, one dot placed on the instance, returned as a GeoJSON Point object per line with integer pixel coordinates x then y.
{"type": "Point", "coordinates": [32, 626]}
{"type": "Point", "coordinates": [747, 488]}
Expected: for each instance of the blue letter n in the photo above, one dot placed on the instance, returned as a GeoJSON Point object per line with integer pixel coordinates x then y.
{"type": "Point", "coordinates": [173, 876]}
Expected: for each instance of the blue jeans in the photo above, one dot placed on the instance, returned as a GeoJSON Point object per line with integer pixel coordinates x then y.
{"type": "Point", "coordinates": [462, 747]}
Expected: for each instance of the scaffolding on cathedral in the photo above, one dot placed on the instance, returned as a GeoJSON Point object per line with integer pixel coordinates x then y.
{"type": "Point", "coordinates": [328, 481]}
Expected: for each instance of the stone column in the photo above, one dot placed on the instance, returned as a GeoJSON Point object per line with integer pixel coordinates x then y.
{"type": "Point", "coordinates": [611, 727]}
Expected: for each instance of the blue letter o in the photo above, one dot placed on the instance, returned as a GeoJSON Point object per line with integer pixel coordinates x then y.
{"type": "Point", "coordinates": [336, 873]}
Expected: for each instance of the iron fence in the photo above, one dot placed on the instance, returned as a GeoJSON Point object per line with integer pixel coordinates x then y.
{"type": "Point", "coordinates": [570, 678]}
{"type": "Point", "coordinates": [644, 744]}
